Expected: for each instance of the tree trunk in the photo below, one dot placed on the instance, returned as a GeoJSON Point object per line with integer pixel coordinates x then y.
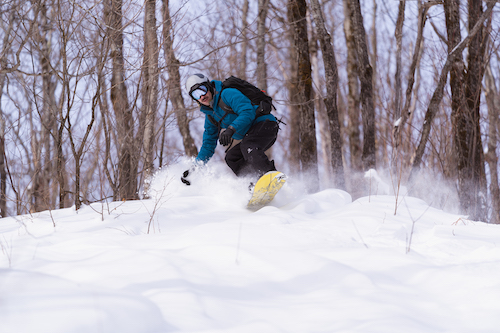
{"type": "Point", "coordinates": [432, 109]}
{"type": "Point", "coordinates": [3, 74]}
{"type": "Point", "coordinates": [493, 101]}
{"type": "Point", "coordinates": [353, 99]}
{"type": "Point", "coordinates": [293, 105]}
{"type": "Point", "coordinates": [475, 176]}
{"type": "Point", "coordinates": [331, 76]}
{"type": "Point", "coordinates": [174, 84]}
{"type": "Point", "coordinates": [405, 113]}
{"type": "Point", "coordinates": [308, 152]}
{"type": "Point", "coordinates": [44, 170]}
{"type": "Point", "coordinates": [466, 89]}
{"type": "Point", "coordinates": [261, 45]}
{"type": "Point", "coordinates": [127, 179]}
{"type": "Point", "coordinates": [399, 42]}
{"type": "Point", "coordinates": [365, 72]}
{"type": "Point", "coordinates": [242, 72]}
{"type": "Point", "coordinates": [105, 120]}
{"type": "Point", "coordinates": [373, 55]}
{"type": "Point", "coordinates": [149, 89]}
{"type": "Point", "coordinates": [325, 150]}
{"type": "Point", "coordinates": [3, 170]}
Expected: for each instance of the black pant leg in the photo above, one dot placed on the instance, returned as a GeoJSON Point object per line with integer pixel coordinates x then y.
{"type": "Point", "coordinates": [234, 159]}
{"type": "Point", "coordinates": [258, 139]}
{"type": "Point", "coordinates": [248, 157]}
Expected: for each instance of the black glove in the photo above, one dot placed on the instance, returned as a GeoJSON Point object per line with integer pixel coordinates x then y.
{"type": "Point", "coordinates": [189, 171]}
{"type": "Point", "coordinates": [183, 178]}
{"type": "Point", "coordinates": [226, 135]}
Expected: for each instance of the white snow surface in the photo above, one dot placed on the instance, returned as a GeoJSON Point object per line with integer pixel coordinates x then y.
{"type": "Point", "coordinates": [194, 259]}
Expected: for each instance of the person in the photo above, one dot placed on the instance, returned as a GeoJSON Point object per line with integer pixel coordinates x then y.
{"type": "Point", "coordinates": [246, 136]}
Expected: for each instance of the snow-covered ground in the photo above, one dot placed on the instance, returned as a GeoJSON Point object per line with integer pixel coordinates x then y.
{"type": "Point", "coordinates": [193, 259]}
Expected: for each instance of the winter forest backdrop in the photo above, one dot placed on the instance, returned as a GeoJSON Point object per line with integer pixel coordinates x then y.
{"type": "Point", "coordinates": [93, 100]}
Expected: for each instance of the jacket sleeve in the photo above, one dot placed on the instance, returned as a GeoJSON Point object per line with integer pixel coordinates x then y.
{"type": "Point", "coordinates": [209, 142]}
{"type": "Point", "coordinates": [242, 106]}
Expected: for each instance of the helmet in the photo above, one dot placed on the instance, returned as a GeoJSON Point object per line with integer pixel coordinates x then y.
{"type": "Point", "coordinates": [196, 80]}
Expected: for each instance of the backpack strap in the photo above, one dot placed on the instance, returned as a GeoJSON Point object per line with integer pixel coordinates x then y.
{"type": "Point", "coordinates": [224, 107]}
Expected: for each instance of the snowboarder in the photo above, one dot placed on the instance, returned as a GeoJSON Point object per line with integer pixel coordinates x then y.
{"type": "Point", "coordinates": [231, 119]}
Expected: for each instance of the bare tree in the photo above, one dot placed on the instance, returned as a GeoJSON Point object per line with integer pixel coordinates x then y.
{"type": "Point", "coordinates": [433, 107]}
{"type": "Point", "coordinates": [293, 105]}
{"type": "Point", "coordinates": [261, 45]}
{"type": "Point", "coordinates": [242, 72]}
{"type": "Point", "coordinates": [402, 117]}
{"type": "Point", "coordinates": [466, 90]}
{"type": "Point", "coordinates": [330, 100]}
{"type": "Point", "coordinates": [353, 99]}
{"type": "Point", "coordinates": [174, 83]}
{"type": "Point", "coordinates": [149, 90]}
{"type": "Point", "coordinates": [365, 72]}
{"type": "Point", "coordinates": [78, 146]}
{"type": "Point", "coordinates": [323, 127]}
{"type": "Point", "coordinates": [107, 130]}
{"type": "Point", "coordinates": [493, 101]}
{"type": "Point", "coordinates": [127, 177]}
{"type": "Point", "coordinates": [44, 155]}
{"type": "Point", "coordinates": [3, 68]}
{"type": "Point", "coordinates": [399, 37]}
{"type": "Point", "coordinates": [308, 152]}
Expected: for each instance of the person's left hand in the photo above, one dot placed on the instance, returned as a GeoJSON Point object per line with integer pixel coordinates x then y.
{"type": "Point", "coordinates": [226, 135]}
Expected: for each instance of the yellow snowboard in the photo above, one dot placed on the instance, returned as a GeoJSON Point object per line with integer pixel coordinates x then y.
{"type": "Point", "coordinates": [266, 188]}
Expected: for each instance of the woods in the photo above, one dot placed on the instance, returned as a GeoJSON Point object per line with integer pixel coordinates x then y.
{"type": "Point", "coordinates": [92, 97]}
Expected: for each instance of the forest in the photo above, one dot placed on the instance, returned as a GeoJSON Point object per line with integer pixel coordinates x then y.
{"type": "Point", "coordinates": [93, 102]}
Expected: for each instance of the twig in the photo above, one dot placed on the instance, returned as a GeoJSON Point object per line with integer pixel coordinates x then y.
{"type": "Point", "coordinates": [414, 221]}
{"type": "Point", "coordinates": [361, 237]}
{"type": "Point", "coordinates": [7, 250]}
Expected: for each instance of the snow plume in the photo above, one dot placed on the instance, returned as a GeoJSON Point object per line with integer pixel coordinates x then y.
{"type": "Point", "coordinates": [376, 184]}
{"type": "Point", "coordinates": [435, 191]}
{"type": "Point", "coordinates": [213, 182]}
{"type": "Point", "coordinates": [216, 183]}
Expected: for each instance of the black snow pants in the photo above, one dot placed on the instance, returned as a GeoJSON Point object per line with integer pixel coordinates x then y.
{"type": "Point", "coordinates": [248, 157]}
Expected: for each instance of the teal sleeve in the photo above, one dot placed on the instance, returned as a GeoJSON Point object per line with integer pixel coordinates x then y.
{"type": "Point", "coordinates": [242, 106]}
{"type": "Point", "coordinates": [209, 144]}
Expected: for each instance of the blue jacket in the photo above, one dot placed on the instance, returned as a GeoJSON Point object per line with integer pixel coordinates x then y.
{"type": "Point", "coordinates": [242, 120]}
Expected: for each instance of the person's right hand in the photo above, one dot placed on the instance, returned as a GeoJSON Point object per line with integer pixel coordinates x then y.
{"type": "Point", "coordinates": [184, 177]}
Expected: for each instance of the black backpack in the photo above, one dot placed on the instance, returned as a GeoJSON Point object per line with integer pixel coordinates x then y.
{"type": "Point", "coordinates": [254, 94]}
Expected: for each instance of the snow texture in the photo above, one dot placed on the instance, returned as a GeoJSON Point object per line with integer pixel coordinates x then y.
{"type": "Point", "coordinates": [194, 259]}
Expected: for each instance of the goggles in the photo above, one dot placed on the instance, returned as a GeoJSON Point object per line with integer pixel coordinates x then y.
{"type": "Point", "coordinates": [198, 92]}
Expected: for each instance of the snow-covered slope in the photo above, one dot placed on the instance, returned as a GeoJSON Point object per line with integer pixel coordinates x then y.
{"type": "Point", "coordinates": [193, 259]}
